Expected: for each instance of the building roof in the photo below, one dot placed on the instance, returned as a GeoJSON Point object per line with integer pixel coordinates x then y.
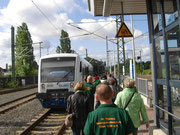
{"type": "Point", "coordinates": [3, 70]}
{"type": "Point", "coordinates": [114, 7]}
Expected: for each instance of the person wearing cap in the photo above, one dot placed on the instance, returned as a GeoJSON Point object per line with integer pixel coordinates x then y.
{"type": "Point", "coordinates": [130, 98]}
{"type": "Point", "coordinates": [79, 105]}
{"type": "Point", "coordinates": [108, 119]}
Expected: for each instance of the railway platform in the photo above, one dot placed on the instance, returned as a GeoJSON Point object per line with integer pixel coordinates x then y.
{"type": "Point", "coordinates": [142, 129]}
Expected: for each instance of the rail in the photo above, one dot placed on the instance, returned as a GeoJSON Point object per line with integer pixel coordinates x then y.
{"type": "Point", "coordinates": [27, 130]}
{"type": "Point", "coordinates": [42, 124]}
{"type": "Point", "coordinates": [17, 102]}
{"type": "Point", "coordinates": [6, 91]}
{"type": "Point", "coordinates": [166, 111]}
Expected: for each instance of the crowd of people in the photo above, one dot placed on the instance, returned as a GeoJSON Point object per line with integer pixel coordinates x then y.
{"type": "Point", "coordinates": [100, 107]}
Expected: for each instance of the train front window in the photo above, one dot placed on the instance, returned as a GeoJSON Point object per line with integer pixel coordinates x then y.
{"type": "Point", "coordinates": [57, 70]}
{"type": "Point", "coordinates": [58, 74]}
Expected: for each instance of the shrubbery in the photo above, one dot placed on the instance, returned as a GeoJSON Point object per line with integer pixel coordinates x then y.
{"type": "Point", "coordinates": [11, 84]}
{"type": "Point", "coordinates": [147, 72]}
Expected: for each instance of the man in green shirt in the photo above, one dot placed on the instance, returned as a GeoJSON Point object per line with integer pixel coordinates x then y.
{"type": "Point", "coordinates": [89, 82]}
{"type": "Point", "coordinates": [107, 119]}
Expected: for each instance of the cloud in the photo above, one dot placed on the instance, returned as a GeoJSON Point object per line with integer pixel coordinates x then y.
{"type": "Point", "coordinates": [58, 12]}
{"type": "Point", "coordinates": [19, 11]}
{"type": "Point", "coordinates": [98, 57]}
{"type": "Point", "coordinates": [97, 29]}
{"type": "Point", "coordinates": [85, 1]}
{"type": "Point", "coordinates": [145, 52]}
{"type": "Point", "coordinates": [5, 39]}
{"type": "Point", "coordinates": [46, 44]}
{"type": "Point", "coordinates": [81, 48]}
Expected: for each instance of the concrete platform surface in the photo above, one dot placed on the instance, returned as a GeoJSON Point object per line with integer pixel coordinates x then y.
{"type": "Point", "coordinates": [142, 129]}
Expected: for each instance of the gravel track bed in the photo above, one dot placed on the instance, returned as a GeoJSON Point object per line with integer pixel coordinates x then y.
{"type": "Point", "coordinates": [15, 95]}
{"type": "Point", "coordinates": [13, 120]}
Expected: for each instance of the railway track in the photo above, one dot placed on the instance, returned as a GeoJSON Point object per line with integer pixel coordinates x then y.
{"type": "Point", "coordinates": [48, 122]}
{"type": "Point", "coordinates": [17, 89]}
{"type": "Point", "coordinates": [14, 103]}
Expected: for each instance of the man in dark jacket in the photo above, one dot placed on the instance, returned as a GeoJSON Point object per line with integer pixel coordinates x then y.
{"type": "Point", "coordinates": [80, 107]}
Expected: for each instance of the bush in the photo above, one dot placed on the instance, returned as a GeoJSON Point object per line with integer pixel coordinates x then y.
{"type": "Point", "coordinates": [147, 72]}
{"type": "Point", "coordinates": [11, 84]}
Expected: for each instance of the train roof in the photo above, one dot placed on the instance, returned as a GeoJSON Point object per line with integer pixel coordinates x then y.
{"type": "Point", "coordinates": [60, 55]}
{"type": "Point", "coordinates": [67, 55]}
{"type": "Point", "coordinates": [86, 63]}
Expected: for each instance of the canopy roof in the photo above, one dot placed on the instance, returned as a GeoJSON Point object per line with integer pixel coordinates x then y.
{"type": "Point", "coordinates": [114, 7]}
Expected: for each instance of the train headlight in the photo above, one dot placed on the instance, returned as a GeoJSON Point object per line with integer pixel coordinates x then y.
{"type": "Point", "coordinates": [43, 86]}
{"type": "Point", "coordinates": [71, 84]}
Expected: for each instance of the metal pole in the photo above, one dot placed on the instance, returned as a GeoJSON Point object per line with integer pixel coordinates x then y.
{"type": "Point", "coordinates": [123, 43]}
{"type": "Point", "coordinates": [141, 63]}
{"type": "Point", "coordinates": [107, 54]}
{"type": "Point", "coordinates": [114, 60]}
{"type": "Point", "coordinates": [133, 45]}
{"type": "Point", "coordinates": [86, 53]}
{"type": "Point", "coordinates": [118, 64]}
{"type": "Point", "coordinates": [13, 54]}
{"type": "Point", "coordinates": [166, 55]}
{"type": "Point", "coordinates": [154, 62]}
{"type": "Point", "coordinates": [40, 49]}
{"type": "Point", "coordinates": [110, 71]}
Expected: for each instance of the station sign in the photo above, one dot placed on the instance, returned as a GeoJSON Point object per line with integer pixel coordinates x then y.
{"type": "Point", "coordinates": [123, 31]}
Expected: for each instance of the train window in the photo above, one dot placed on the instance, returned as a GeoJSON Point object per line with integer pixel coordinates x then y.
{"type": "Point", "coordinates": [80, 66]}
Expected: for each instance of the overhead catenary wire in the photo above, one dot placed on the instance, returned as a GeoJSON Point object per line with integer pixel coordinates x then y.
{"type": "Point", "coordinates": [56, 28]}
{"type": "Point", "coordinates": [56, 5]}
{"type": "Point", "coordinates": [90, 32]}
{"type": "Point", "coordinates": [45, 16]}
{"type": "Point", "coordinates": [137, 37]}
{"type": "Point", "coordinates": [92, 22]}
{"type": "Point", "coordinates": [102, 27]}
{"type": "Point", "coordinates": [86, 34]}
{"type": "Point", "coordinates": [105, 21]}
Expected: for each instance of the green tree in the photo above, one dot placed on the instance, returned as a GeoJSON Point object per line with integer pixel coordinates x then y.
{"type": "Point", "coordinates": [25, 63]}
{"type": "Point", "coordinates": [65, 43]}
{"type": "Point", "coordinates": [58, 49]}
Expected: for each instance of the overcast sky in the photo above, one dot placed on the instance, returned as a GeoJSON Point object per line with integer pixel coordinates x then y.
{"type": "Point", "coordinates": [55, 15]}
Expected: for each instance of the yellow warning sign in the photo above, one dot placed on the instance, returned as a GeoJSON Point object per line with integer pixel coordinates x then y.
{"type": "Point", "coordinates": [124, 31]}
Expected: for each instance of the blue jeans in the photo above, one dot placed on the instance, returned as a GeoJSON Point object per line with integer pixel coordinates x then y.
{"type": "Point", "coordinates": [77, 131]}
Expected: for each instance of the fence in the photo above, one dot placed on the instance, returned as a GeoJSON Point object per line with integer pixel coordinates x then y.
{"type": "Point", "coordinates": [144, 87]}
{"type": "Point", "coordinates": [21, 80]}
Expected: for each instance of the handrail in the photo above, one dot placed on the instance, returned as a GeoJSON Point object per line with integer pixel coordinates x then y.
{"type": "Point", "coordinates": [143, 78]}
{"type": "Point", "coordinates": [167, 112]}
{"type": "Point", "coordinates": [144, 94]}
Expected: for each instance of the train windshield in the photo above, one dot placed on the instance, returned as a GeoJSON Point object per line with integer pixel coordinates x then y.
{"type": "Point", "coordinates": [56, 70]}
